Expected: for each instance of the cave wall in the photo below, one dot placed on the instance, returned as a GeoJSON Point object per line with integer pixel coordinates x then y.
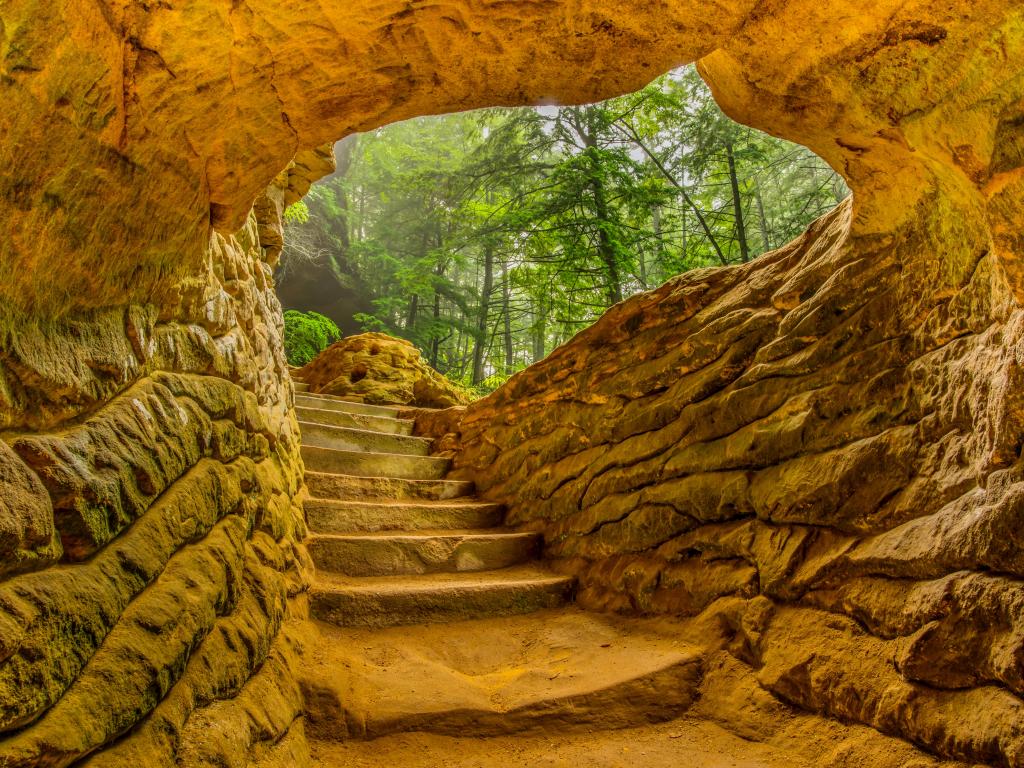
{"type": "Point", "coordinates": [780, 448]}
{"type": "Point", "coordinates": [152, 576]}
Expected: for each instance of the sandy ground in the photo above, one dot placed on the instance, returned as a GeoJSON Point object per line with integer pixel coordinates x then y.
{"type": "Point", "coordinates": [555, 688]}
{"type": "Point", "coordinates": [683, 743]}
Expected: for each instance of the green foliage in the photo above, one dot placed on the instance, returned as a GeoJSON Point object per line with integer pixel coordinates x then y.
{"type": "Point", "coordinates": [297, 213]}
{"type": "Point", "coordinates": [489, 238]}
{"type": "Point", "coordinates": [306, 335]}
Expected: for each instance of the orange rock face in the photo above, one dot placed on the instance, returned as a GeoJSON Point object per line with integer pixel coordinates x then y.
{"type": "Point", "coordinates": [829, 437]}
{"type": "Point", "coordinates": [150, 453]}
{"type": "Point", "coordinates": [791, 433]}
{"type": "Point", "coordinates": [183, 115]}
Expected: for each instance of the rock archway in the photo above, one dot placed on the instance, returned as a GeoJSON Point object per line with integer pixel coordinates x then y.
{"type": "Point", "coordinates": [849, 407]}
{"type": "Point", "coordinates": [185, 113]}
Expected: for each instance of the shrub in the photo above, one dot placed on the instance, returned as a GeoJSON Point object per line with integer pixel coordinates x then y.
{"type": "Point", "coordinates": [306, 335]}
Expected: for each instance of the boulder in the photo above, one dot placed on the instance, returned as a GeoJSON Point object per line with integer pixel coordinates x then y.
{"type": "Point", "coordinates": [381, 370]}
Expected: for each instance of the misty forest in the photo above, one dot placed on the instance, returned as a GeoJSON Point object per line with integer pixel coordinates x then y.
{"type": "Point", "coordinates": [489, 238]}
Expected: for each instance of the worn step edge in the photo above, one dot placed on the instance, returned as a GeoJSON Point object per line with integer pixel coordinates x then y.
{"type": "Point", "coordinates": [365, 464]}
{"type": "Point", "coordinates": [330, 402]}
{"type": "Point", "coordinates": [343, 516]}
{"type": "Point", "coordinates": [338, 486]}
{"type": "Point", "coordinates": [436, 598]}
{"type": "Point", "coordinates": [367, 440]}
{"type": "Point", "coordinates": [436, 533]}
{"type": "Point", "coordinates": [658, 695]}
{"type": "Point", "coordinates": [403, 553]}
{"type": "Point", "coordinates": [354, 420]}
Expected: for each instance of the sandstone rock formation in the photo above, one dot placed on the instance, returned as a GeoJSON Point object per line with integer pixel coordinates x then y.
{"type": "Point", "coordinates": [818, 452]}
{"type": "Point", "coordinates": [153, 452]}
{"type": "Point", "coordinates": [381, 370]}
{"type": "Point", "coordinates": [787, 433]}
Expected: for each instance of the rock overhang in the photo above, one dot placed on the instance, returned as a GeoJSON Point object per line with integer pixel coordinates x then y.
{"type": "Point", "coordinates": [142, 127]}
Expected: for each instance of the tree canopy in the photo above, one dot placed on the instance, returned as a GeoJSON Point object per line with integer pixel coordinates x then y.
{"type": "Point", "coordinates": [489, 238]}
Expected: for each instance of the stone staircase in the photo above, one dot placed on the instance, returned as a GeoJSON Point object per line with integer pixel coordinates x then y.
{"type": "Point", "coordinates": [440, 640]}
{"type": "Point", "coordinates": [393, 541]}
{"type": "Point", "coordinates": [432, 619]}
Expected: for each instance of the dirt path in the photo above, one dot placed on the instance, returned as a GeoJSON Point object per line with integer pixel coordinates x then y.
{"type": "Point", "coordinates": [676, 744]}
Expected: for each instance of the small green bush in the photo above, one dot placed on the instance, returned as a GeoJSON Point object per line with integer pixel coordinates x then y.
{"type": "Point", "coordinates": [306, 335]}
{"type": "Point", "coordinates": [297, 213]}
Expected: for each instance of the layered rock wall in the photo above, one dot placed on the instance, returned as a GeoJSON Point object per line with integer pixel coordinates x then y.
{"type": "Point", "coordinates": [823, 458]}
{"type": "Point", "coordinates": [819, 451]}
{"type": "Point", "coordinates": [151, 559]}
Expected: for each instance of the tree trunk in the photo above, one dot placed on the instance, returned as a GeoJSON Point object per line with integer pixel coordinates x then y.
{"type": "Point", "coordinates": [343, 163]}
{"type": "Point", "coordinates": [459, 353]}
{"type": "Point", "coordinates": [481, 320]}
{"type": "Point", "coordinates": [737, 203]}
{"type": "Point", "coordinates": [605, 246]}
{"type": "Point", "coordinates": [506, 309]}
{"type": "Point", "coordinates": [435, 342]}
{"type": "Point", "coordinates": [410, 320]}
{"type": "Point", "coordinates": [414, 305]}
{"type": "Point", "coordinates": [540, 331]}
{"type": "Point", "coordinates": [685, 239]}
{"type": "Point", "coordinates": [766, 240]}
{"type": "Point", "coordinates": [659, 246]}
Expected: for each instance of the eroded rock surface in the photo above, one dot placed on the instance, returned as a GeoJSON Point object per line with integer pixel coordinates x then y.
{"type": "Point", "coordinates": [183, 115]}
{"type": "Point", "coordinates": [790, 433]}
{"type": "Point", "coordinates": [381, 370]}
{"type": "Point", "coordinates": [151, 531]}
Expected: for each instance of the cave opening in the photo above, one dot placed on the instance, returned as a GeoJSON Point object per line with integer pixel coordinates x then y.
{"type": "Point", "coordinates": [489, 238]}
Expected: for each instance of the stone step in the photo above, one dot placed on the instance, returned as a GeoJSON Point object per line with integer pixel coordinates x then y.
{"type": "Point", "coordinates": [391, 465]}
{"type": "Point", "coordinates": [328, 487]}
{"type": "Point", "coordinates": [382, 601]}
{"type": "Point", "coordinates": [402, 553]}
{"type": "Point", "coordinates": [370, 441]}
{"type": "Point", "coordinates": [345, 516]}
{"type": "Point", "coordinates": [553, 671]}
{"type": "Point", "coordinates": [300, 386]}
{"type": "Point", "coordinates": [332, 403]}
{"type": "Point", "coordinates": [354, 420]}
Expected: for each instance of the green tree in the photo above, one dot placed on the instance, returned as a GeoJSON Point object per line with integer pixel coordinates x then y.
{"type": "Point", "coordinates": [489, 238]}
